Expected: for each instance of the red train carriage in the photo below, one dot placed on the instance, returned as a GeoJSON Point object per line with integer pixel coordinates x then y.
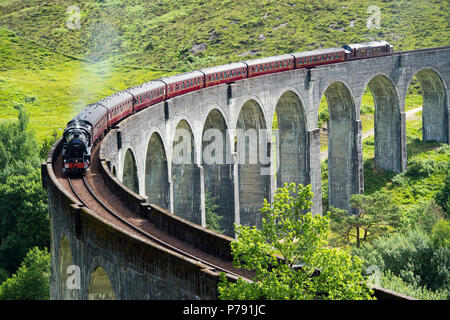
{"type": "Point", "coordinates": [183, 83]}
{"type": "Point", "coordinates": [313, 58]}
{"type": "Point", "coordinates": [225, 74]}
{"type": "Point", "coordinates": [269, 65]}
{"type": "Point", "coordinates": [119, 105]}
{"type": "Point", "coordinates": [147, 94]}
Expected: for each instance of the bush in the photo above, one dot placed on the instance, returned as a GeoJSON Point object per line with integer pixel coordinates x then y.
{"type": "Point", "coordinates": [423, 216]}
{"type": "Point", "coordinates": [390, 281]}
{"type": "Point", "coordinates": [443, 196]}
{"type": "Point", "coordinates": [412, 257]}
{"type": "Point", "coordinates": [365, 109]}
{"type": "Point", "coordinates": [421, 167]}
{"type": "Point", "coordinates": [323, 117]}
{"type": "Point", "coordinates": [440, 235]}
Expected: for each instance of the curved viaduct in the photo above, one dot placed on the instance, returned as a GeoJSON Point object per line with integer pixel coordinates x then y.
{"type": "Point", "coordinates": [218, 143]}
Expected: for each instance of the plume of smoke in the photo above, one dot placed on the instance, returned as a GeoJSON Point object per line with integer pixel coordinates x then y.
{"type": "Point", "coordinates": [91, 81]}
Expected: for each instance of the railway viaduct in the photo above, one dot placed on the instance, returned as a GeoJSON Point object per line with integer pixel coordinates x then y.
{"type": "Point", "coordinates": [166, 160]}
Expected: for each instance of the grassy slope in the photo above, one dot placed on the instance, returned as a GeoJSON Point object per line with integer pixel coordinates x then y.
{"type": "Point", "coordinates": [162, 33]}
{"type": "Point", "coordinates": [122, 42]}
{"type": "Point", "coordinates": [53, 87]}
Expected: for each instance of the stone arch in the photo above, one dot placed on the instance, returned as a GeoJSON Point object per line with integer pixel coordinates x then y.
{"type": "Point", "coordinates": [185, 175]}
{"type": "Point", "coordinates": [130, 176]}
{"type": "Point", "coordinates": [218, 168]}
{"type": "Point", "coordinates": [157, 187]}
{"type": "Point", "coordinates": [387, 124]}
{"type": "Point", "coordinates": [65, 270]}
{"type": "Point", "coordinates": [344, 146]}
{"type": "Point", "coordinates": [99, 286]}
{"type": "Point", "coordinates": [253, 158]}
{"type": "Point", "coordinates": [435, 109]}
{"type": "Point", "coordinates": [291, 159]}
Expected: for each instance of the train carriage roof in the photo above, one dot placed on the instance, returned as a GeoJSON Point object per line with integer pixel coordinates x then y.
{"type": "Point", "coordinates": [269, 59]}
{"type": "Point", "coordinates": [363, 45]}
{"type": "Point", "coordinates": [182, 77]}
{"type": "Point", "coordinates": [115, 99]}
{"type": "Point", "coordinates": [146, 87]}
{"type": "Point", "coordinates": [224, 67]}
{"type": "Point", "coordinates": [91, 113]}
{"type": "Point", "coordinates": [317, 52]}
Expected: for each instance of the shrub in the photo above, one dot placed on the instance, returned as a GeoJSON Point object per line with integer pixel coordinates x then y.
{"type": "Point", "coordinates": [420, 167]}
{"type": "Point", "coordinates": [440, 235]}
{"type": "Point", "coordinates": [390, 281]}
{"type": "Point", "coordinates": [443, 196]}
{"type": "Point", "coordinates": [410, 256]}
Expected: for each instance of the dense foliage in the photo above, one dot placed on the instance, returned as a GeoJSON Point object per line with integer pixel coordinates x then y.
{"type": "Point", "coordinates": [24, 221]}
{"type": "Point", "coordinates": [31, 281]}
{"type": "Point", "coordinates": [213, 219]}
{"type": "Point", "coordinates": [413, 257]}
{"type": "Point", "coordinates": [290, 256]}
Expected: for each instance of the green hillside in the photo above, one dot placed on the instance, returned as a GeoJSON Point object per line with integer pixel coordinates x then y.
{"type": "Point", "coordinates": [191, 33]}
{"type": "Point", "coordinates": [54, 87]}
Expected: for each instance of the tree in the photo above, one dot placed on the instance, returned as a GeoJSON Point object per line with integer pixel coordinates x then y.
{"type": "Point", "coordinates": [290, 257]}
{"type": "Point", "coordinates": [212, 218]}
{"type": "Point", "coordinates": [31, 281]}
{"type": "Point", "coordinates": [24, 220]}
{"type": "Point", "coordinates": [376, 214]}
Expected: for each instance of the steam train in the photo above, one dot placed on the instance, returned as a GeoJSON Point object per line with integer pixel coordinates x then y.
{"type": "Point", "coordinates": [83, 131]}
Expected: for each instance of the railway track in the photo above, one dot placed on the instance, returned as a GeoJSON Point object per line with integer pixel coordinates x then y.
{"type": "Point", "coordinates": [82, 190]}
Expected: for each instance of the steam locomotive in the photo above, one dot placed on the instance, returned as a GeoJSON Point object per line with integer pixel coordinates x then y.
{"type": "Point", "coordinates": [95, 120]}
